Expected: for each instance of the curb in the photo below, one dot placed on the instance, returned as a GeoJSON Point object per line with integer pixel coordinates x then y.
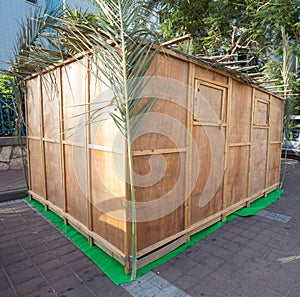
{"type": "Point", "coordinates": [13, 194]}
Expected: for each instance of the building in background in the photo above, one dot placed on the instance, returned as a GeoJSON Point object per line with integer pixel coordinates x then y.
{"type": "Point", "coordinates": [12, 13]}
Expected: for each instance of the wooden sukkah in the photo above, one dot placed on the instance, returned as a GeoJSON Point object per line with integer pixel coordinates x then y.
{"type": "Point", "coordinates": [210, 145]}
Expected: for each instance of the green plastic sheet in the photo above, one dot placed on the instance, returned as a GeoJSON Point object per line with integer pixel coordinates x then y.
{"type": "Point", "coordinates": [113, 269]}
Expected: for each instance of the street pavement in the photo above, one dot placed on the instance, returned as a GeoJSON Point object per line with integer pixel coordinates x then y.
{"type": "Point", "coordinates": [249, 256]}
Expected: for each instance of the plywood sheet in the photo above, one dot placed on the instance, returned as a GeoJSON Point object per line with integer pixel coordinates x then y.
{"type": "Point", "coordinates": [207, 171]}
{"type": "Point", "coordinates": [260, 94]}
{"type": "Point", "coordinates": [276, 119]}
{"type": "Point", "coordinates": [51, 92]}
{"type": "Point", "coordinates": [209, 102]}
{"type": "Point", "coordinates": [53, 174]}
{"type": "Point", "coordinates": [273, 176]}
{"type": "Point", "coordinates": [238, 174]}
{"type": "Point", "coordinates": [258, 161]}
{"type": "Point", "coordinates": [75, 170]}
{"type": "Point", "coordinates": [36, 167]}
{"type": "Point", "coordinates": [210, 75]}
{"type": "Point", "coordinates": [104, 132]}
{"type": "Point", "coordinates": [108, 196]}
{"type": "Point", "coordinates": [164, 127]}
{"type": "Point", "coordinates": [240, 114]}
{"type": "Point", "coordinates": [33, 99]}
{"type": "Point", "coordinates": [261, 113]}
{"type": "Point", "coordinates": [160, 195]}
{"type": "Point", "coordinates": [108, 227]}
{"type": "Point", "coordinates": [74, 88]}
{"type": "Point", "coordinates": [170, 67]}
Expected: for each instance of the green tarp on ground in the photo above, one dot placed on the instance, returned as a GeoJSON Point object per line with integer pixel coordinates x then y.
{"type": "Point", "coordinates": [113, 269]}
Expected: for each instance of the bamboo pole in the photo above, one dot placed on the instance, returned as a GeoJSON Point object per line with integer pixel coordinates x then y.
{"type": "Point", "coordinates": [227, 146]}
{"type": "Point", "coordinates": [62, 147]}
{"type": "Point", "coordinates": [42, 145]}
{"type": "Point", "coordinates": [251, 145]}
{"type": "Point", "coordinates": [88, 155]}
{"type": "Point", "coordinates": [189, 135]}
{"type": "Point", "coordinates": [177, 40]}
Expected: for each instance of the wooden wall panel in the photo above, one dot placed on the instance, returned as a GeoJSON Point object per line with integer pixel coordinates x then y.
{"type": "Point", "coordinates": [163, 128]}
{"type": "Point", "coordinates": [258, 161]}
{"type": "Point", "coordinates": [274, 163]}
{"type": "Point", "coordinates": [53, 174]}
{"type": "Point", "coordinates": [108, 227]}
{"type": "Point", "coordinates": [207, 172]}
{"type": "Point", "coordinates": [108, 196]}
{"type": "Point", "coordinates": [209, 102]}
{"type": "Point", "coordinates": [75, 165]}
{"type": "Point", "coordinates": [240, 113]}
{"type": "Point", "coordinates": [33, 99]}
{"type": "Point", "coordinates": [211, 76]}
{"type": "Point", "coordinates": [261, 113]}
{"type": "Point", "coordinates": [152, 232]}
{"type": "Point", "coordinates": [107, 135]}
{"type": "Point", "coordinates": [276, 118]}
{"type": "Point", "coordinates": [74, 88]}
{"type": "Point", "coordinates": [103, 130]}
{"type": "Point", "coordinates": [170, 67]}
{"type": "Point", "coordinates": [50, 91]}
{"type": "Point", "coordinates": [238, 174]}
{"type": "Point", "coordinates": [36, 167]}
{"type": "Point", "coordinates": [160, 197]}
{"type": "Point", "coordinates": [108, 176]}
{"type": "Point", "coordinates": [260, 94]}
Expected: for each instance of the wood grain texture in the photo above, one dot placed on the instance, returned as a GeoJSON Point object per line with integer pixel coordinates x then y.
{"type": "Point", "coordinates": [36, 168]}
{"type": "Point", "coordinates": [240, 113]}
{"type": "Point", "coordinates": [259, 160]}
{"type": "Point", "coordinates": [33, 99]}
{"type": "Point", "coordinates": [53, 174]}
{"type": "Point", "coordinates": [210, 145]}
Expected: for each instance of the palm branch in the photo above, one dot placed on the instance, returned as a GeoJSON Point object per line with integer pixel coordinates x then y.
{"type": "Point", "coordinates": [117, 43]}
{"type": "Point", "coordinates": [123, 47]}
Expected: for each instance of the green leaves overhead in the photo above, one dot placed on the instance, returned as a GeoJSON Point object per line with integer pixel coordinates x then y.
{"type": "Point", "coordinates": [36, 46]}
{"type": "Point", "coordinates": [123, 46]}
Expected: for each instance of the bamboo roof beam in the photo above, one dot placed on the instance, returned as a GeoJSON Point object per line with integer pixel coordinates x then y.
{"type": "Point", "coordinates": [272, 87]}
{"type": "Point", "coordinates": [268, 81]}
{"type": "Point", "coordinates": [218, 57]}
{"type": "Point", "coordinates": [255, 74]}
{"type": "Point", "coordinates": [235, 62]}
{"type": "Point", "coordinates": [290, 95]}
{"type": "Point", "coordinates": [177, 40]}
{"type": "Point", "coordinates": [283, 91]}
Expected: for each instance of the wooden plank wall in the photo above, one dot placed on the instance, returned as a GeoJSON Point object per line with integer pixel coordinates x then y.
{"type": "Point", "coordinates": [210, 145]}
{"type": "Point", "coordinates": [70, 162]}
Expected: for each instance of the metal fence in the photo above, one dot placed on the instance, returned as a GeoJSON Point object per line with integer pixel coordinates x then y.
{"type": "Point", "coordinates": [8, 115]}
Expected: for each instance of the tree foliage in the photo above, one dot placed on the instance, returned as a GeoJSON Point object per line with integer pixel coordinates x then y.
{"type": "Point", "coordinates": [250, 28]}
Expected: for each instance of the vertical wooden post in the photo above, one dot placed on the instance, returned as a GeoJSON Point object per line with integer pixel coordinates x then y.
{"type": "Point", "coordinates": [225, 178]}
{"type": "Point", "coordinates": [189, 147]}
{"type": "Point", "coordinates": [61, 145]}
{"type": "Point", "coordinates": [268, 146]}
{"type": "Point", "coordinates": [281, 126]}
{"type": "Point", "coordinates": [27, 143]}
{"type": "Point", "coordinates": [250, 146]}
{"type": "Point", "coordinates": [42, 146]}
{"type": "Point", "coordinates": [88, 154]}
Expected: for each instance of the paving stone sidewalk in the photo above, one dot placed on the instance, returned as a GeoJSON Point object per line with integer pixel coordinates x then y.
{"type": "Point", "coordinates": [253, 256]}
{"type": "Point", "coordinates": [37, 260]}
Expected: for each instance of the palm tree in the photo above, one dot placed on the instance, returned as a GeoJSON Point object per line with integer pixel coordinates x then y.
{"type": "Point", "coordinates": [117, 43]}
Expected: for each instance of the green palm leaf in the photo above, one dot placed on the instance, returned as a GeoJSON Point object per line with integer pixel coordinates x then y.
{"type": "Point", "coordinates": [118, 45]}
